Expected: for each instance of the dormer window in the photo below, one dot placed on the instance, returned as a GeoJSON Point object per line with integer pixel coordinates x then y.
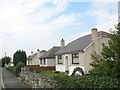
{"type": "Point", "coordinates": [75, 58]}
{"type": "Point", "coordinates": [60, 59]}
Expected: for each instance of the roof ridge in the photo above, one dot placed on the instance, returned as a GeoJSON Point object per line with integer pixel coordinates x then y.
{"type": "Point", "coordinates": [56, 46]}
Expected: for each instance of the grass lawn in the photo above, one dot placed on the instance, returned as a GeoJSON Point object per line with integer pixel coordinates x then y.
{"type": "Point", "coordinates": [52, 73]}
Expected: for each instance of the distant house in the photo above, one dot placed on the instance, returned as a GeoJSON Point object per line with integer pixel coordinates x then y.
{"type": "Point", "coordinates": [76, 56]}
{"type": "Point", "coordinates": [48, 58]}
{"type": "Point", "coordinates": [33, 59]}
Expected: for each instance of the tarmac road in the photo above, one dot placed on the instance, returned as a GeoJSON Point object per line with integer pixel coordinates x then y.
{"type": "Point", "coordinates": [10, 80]}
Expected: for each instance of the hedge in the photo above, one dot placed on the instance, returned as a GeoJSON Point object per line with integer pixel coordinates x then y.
{"type": "Point", "coordinates": [16, 69]}
{"type": "Point", "coordinates": [12, 69]}
{"type": "Point", "coordinates": [86, 82]}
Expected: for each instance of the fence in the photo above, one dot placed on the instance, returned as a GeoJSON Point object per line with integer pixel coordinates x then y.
{"type": "Point", "coordinates": [37, 68]}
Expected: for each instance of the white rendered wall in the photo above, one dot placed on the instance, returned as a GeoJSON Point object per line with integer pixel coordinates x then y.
{"type": "Point", "coordinates": [60, 68]}
{"type": "Point", "coordinates": [50, 62]}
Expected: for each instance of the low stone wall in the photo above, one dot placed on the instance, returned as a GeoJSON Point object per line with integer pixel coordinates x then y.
{"type": "Point", "coordinates": [35, 80]}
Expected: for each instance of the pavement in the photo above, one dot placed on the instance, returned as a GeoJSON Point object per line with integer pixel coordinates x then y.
{"type": "Point", "coordinates": [10, 80]}
{"type": "Point", "coordinates": [1, 84]}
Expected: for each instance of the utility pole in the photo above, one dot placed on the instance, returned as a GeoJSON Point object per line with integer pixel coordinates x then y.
{"type": "Point", "coordinates": [5, 54]}
{"type": "Point", "coordinates": [5, 59]}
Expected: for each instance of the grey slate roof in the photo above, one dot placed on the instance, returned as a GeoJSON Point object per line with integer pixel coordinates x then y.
{"type": "Point", "coordinates": [34, 55]}
{"type": "Point", "coordinates": [79, 44]}
{"type": "Point", "coordinates": [31, 56]}
{"type": "Point", "coordinates": [51, 53]}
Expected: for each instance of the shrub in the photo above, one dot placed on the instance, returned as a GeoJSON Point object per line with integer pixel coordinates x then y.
{"type": "Point", "coordinates": [56, 71]}
{"type": "Point", "coordinates": [11, 69]}
{"type": "Point", "coordinates": [18, 67]}
{"type": "Point", "coordinates": [86, 82]}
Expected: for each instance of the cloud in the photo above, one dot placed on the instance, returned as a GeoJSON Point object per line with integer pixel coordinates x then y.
{"type": "Point", "coordinates": [91, 0]}
{"type": "Point", "coordinates": [105, 14]}
{"type": "Point", "coordinates": [33, 24]}
{"type": "Point", "coordinates": [29, 25]}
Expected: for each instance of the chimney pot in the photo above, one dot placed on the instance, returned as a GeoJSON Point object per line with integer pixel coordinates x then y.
{"type": "Point", "coordinates": [32, 53]}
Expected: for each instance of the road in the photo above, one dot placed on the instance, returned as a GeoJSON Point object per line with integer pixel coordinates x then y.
{"type": "Point", "coordinates": [10, 80]}
{"type": "Point", "coordinates": [1, 80]}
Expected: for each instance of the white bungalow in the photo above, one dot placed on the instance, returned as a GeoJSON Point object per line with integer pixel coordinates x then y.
{"type": "Point", "coordinates": [33, 59]}
{"type": "Point", "coordinates": [48, 58]}
{"type": "Point", "coordinates": [76, 56]}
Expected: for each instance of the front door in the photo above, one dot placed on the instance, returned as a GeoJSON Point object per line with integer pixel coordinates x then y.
{"type": "Point", "coordinates": [66, 64]}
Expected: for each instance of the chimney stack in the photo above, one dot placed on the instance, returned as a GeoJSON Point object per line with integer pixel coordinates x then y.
{"type": "Point", "coordinates": [38, 53]}
{"type": "Point", "coordinates": [95, 40]}
{"type": "Point", "coordinates": [31, 53]}
{"type": "Point", "coordinates": [62, 43]}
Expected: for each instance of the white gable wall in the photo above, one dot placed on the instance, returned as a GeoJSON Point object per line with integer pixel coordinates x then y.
{"type": "Point", "coordinates": [102, 40]}
{"type": "Point", "coordinates": [90, 50]}
{"type": "Point", "coordinates": [35, 61]}
{"type": "Point", "coordinates": [87, 57]}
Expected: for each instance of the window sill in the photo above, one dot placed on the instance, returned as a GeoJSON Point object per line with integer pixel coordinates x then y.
{"type": "Point", "coordinates": [75, 63]}
{"type": "Point", "coordinates": [59, 63]}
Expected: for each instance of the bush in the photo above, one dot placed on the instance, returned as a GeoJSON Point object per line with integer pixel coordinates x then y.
{"type": "Point", "coordinates": [57, 72]}
{"type": "Point", "coordinates": [86, 82]}
{"type": "Point", "coordinates": [11, 69]}
{"type": "Point", "coordinates": [18, 68]}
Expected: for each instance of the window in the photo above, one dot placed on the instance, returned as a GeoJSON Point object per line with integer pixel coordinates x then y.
{"type": "Point", "coordinates": [60, 59]}
{"type": "Point", "coordinates": [75, 58]}
{"type": "Point", "coordinates": [41, 61]}
{"type": "Point", "coordinates": [44, 61]}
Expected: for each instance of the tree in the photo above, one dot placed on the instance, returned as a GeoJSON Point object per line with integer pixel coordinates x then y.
{"type": "Point", "coordinates": [108, 63]}
{"type": "Point", "coordinates": [5, 60]}
{"type": "Point", "coordinates": [19, 56]}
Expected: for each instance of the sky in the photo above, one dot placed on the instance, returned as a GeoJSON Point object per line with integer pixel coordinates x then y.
{"type": "Point", "coordinates": [41, 24]}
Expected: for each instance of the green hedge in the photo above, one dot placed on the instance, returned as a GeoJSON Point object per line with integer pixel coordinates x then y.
{"type": "Point", "coordinates": [12, 69]}
{"type": "Point", "coordinates": [86, 82]}
{"type": "Point", "coordinates": [16, 69]}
